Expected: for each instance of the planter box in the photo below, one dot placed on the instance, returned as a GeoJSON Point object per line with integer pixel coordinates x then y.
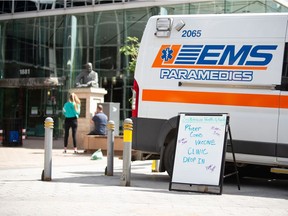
{"type": "Point", "coordinates": [94, 142]}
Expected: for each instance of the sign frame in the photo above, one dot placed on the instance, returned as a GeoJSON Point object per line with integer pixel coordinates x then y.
{"type": "Point", "coordinates": [199, 122]}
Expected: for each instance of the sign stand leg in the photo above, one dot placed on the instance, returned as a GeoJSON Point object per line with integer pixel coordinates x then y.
{"type": "Point", "coordinates": [234, 160]}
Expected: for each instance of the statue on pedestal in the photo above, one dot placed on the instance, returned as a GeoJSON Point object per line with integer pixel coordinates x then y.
{"type": "Point", "coordinates": [87, 78]}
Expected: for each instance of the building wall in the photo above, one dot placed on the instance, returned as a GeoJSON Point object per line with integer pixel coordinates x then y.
{"type": "Point", "coordinates": [49, 44]}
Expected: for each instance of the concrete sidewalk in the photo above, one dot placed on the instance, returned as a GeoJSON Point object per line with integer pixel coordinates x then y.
{"type": "Point", "coordinates": [79, 187]}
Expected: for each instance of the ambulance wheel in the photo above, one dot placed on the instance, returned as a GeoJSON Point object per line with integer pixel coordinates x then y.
{"type": "Point", "coordinates": [169, 156]}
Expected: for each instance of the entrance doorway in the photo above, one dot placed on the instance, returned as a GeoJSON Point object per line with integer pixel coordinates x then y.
{"type": "Point", "coordinates": [33, 106]}
{"type": "Point", "coordinates": [40, 104]}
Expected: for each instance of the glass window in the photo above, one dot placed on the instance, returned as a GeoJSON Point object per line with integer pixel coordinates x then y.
{"type": "Point", "coordinates": [60, 45]}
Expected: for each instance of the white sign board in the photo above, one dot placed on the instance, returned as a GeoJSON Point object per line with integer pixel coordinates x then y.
{"type": "Point", "coordinates": [200, 149]}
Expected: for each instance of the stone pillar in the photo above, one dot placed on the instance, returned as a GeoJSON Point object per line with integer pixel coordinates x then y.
{"type": "Point", "coordinates": [89, 97]}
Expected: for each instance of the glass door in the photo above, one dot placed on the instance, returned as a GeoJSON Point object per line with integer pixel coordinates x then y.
{"type": "Point", "coordinates": [43, 103]}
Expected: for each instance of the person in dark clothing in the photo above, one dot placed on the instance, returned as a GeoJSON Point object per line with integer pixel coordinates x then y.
{"type": "Point", "coordinates": [100, 121]}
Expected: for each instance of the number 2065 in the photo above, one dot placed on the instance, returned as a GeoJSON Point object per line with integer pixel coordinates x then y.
{"type": "Point", "coordinates": [191, 33]}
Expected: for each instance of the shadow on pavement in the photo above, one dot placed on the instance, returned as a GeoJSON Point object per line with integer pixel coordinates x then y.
{"type": "Point", "coordinates": [160, 183]}
{"type": "Point", "coordinates": [38, 143]}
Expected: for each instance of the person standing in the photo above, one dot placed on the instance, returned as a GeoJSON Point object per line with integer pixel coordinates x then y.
{"type": "Point", "coordinates": [100, 121]}
{"type": "Point", "coordinates": [71, 111]}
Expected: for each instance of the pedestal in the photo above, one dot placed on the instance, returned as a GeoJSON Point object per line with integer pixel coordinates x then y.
{"type": "Point", "coordinates": [89, 97]}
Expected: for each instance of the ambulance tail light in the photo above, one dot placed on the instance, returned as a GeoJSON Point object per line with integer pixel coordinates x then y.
{"type": "Point", "coordinates": [135, 99]}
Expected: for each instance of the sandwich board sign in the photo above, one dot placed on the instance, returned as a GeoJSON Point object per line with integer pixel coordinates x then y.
{"type": "Point", "coordinates": [200, 150]}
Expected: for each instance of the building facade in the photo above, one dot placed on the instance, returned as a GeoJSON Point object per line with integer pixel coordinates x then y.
{"type": "Point", "coordinates": [46, 43]}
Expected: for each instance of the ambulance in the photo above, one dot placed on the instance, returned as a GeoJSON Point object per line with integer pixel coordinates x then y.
{"type": "Point", "coordinates": [222, 63]}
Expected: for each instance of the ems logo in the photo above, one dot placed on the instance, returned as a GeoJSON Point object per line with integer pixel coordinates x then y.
{"type": "Point", "coordinates": [167, 54]}
{"type": "Point", "coordinates": [213, 62]}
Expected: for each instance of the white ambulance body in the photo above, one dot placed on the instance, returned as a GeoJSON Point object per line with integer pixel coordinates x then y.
{"type": "Point", "coordinates": [236, 64]}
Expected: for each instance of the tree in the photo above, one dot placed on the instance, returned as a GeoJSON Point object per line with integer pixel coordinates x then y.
{"type": "Point", "coordinates": [130, 49]}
